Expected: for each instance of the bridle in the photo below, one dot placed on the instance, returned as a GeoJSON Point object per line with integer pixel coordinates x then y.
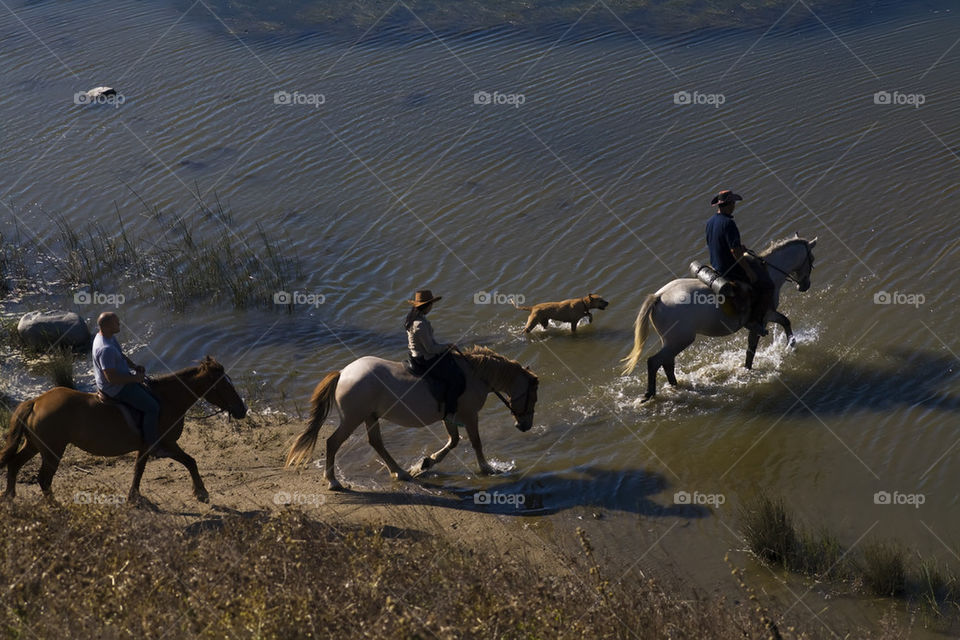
{"type": "Point", "coordinates": [789, 275]}
{"type": "Point", "coordinates": [507, 403]}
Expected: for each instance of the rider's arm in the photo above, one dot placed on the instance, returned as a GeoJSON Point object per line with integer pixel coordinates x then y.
{"type": "Point", "coordinates": [423, 333]}
{"type": "Point", "coordinates": [115, 376]}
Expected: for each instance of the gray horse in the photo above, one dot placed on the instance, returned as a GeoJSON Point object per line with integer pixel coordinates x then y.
{"type": "Point", "coordinates": [686, 307]}
{"type": "Point", "coordinates": [370, 388]}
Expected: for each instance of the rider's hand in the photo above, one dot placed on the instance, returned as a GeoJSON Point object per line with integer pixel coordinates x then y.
{"type": "Point", "coordinates": [140, 375]}
{"type": "Point", "coordinates": [140, 369]}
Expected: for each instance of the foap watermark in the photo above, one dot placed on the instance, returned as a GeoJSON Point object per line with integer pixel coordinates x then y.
{"type": "Point", "coordinates": [100, 95]}
{"type": "Point", "coordinates": [512, 99]}
{"type": "Point", "coordinates": [299, 298]}
{"type": "Point", "coordinates": [899, 99]}
{"type": "Point", "coordinates": [286, 498]}
{"type": "Point", "coordinates": [495, 297]}
{"type": "Point", "coordinates": [699, 297]}
{"type": "Point", "coordinates": [711, 499]}
{"type": "Point", "coordinates": [299, 99]}
{"type": "Point", "coordinates": [99, 298]}
{"type": "Point", "coordinates": [898, 297]}
{"type": "Point", "coordinates": [712, 99]}
{"type": "Point", "coordinates": [516, 500]}
{"type": "Point", "coordinates": [896, 498]}
{"type": "Point", "coordinates": [97, 498]}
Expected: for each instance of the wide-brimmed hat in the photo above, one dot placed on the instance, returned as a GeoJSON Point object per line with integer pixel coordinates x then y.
{"type": "Point", "coordinates": [725, 197]}
{"type": "Point", "coordinates": [423, 297]}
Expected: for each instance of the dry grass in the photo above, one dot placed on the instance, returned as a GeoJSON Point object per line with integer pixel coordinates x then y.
{"type": "Point", "coordinates": [112, 571]}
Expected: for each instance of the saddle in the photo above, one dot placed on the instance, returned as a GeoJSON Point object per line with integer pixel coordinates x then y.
{"type": "Point", "coordinates": [420, 369]}
{"type": "Point", "coordinates": [133, 418]}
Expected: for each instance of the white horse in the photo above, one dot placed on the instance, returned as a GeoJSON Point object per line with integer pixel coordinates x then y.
{"type": "Point", "coordinates": [686, 307]}
{"type": "Point", "coordinates": [371, 388]}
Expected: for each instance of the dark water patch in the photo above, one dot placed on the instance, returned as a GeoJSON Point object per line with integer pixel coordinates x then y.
{"type": "Point", "coordinates": [548, 19]}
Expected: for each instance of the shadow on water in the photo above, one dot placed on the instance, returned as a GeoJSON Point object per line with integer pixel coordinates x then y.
{"type": "Point", "coordinates": [907, 378]}
{"type": "Point", "coordinates": [625, 491]}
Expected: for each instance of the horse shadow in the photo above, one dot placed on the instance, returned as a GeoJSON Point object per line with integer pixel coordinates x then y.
{"type": "Point", "coordinates": [907, 378]}
{"type": "Point", "coordinates": [617, 491]}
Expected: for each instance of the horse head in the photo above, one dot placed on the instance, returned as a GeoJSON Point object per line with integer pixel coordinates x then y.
{"type": "Point", "coordinates": [523, 398]}
{"type": "Point", "coordinates": [793, 258]}
{"type": "Point", "coordinates": [220, 391]}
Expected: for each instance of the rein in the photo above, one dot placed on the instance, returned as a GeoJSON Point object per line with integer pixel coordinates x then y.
{"type": "Point", "coordinates": [776, 268]}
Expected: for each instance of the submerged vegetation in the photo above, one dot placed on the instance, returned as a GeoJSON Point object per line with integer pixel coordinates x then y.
{"type": "Point", "coordinates": [878, 568]}
{"type": "Point", "coordinates": [192, 259]}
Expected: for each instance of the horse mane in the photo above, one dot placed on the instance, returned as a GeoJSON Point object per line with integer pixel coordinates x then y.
{"type": "Point", "coordinates": [496, 369]}
{"type": "Point", "coordinates": [780, 244]}
{"type": "Point", "coordinates": [204, 367]}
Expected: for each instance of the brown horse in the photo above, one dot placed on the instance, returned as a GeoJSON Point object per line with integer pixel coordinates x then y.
{"type": "Point", "coordinates": [48, 423]}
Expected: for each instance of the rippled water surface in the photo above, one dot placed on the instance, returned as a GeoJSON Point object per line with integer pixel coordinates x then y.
{"type": "Point", "coordinates": [388, 173]}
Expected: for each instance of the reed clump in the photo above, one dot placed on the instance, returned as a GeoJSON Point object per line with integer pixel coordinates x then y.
{"type": "Point", "coordinates": [876, 567]}
{"type": "Point", "coordinates": [57, 365]}
{"type": "Point", "coordinates": [195, 258]}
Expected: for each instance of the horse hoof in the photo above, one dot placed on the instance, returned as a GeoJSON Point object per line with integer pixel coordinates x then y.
{"type": "Point", "coordinates": [334, 485]}
{"type": "Point", "coordinates": [203, 497]}
{"type": "Point", "coordinates": [488, 471]}
{"type": "Point", "coordinates": [402, 476]}
{"type": "Point", "coordinates": [647, 397]}
{"type": "Point", "coordinates": [793, 343]}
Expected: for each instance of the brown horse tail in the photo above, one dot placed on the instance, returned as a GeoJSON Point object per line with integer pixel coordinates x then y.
{"type": "Point", "coordinates": [641, 328]}
{"type": "Point", "coordinates": [320, 407]}
{"type": "Point", "coordinates": [18, 423]}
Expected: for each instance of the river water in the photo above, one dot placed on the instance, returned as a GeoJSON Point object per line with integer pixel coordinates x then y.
{"type": "Point", "coordinates": [547, 163]}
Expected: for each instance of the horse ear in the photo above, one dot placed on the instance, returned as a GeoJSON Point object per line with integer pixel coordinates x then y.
{"type": "Point", "coordinates": [796, 234]}
{"type": "Point", "coordinates": [813, 243]}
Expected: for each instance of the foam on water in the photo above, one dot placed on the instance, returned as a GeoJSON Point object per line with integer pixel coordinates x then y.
{"type": "Point", "coordinates": [706, 376]}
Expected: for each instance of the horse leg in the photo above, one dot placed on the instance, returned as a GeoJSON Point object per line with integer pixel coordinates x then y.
{"type": "Point", "coordinates": [653, 365]}
{"type": "Point", "coordinates": [473, 432]}
{"type": "Point", "coordinates": [336, 439]}
{"type": "Point", "coordinates": [670, 360]}
{"type": "Point", "coordinates": [376, 441]}
{"type": "Point", "coordinates": [184, 458]}
{"type": "Point", "coordinates": [783, 321]}
{"type": "Point", "coordinates": [50, 461]}
{"type": "Point", "coordinates": [753, 339]}
{"type": "Point", "coordinates": [453, 438]}
{"type": "Point", "coordinates": [14, 466]}
{"type": "Point", "coordinates": [668, 368]}
{"type": "Point", "coordinates": [133, 496]}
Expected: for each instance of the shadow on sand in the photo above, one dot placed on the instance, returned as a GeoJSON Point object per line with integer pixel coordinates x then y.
{"type": "Point", "coordinates": [626, 491]}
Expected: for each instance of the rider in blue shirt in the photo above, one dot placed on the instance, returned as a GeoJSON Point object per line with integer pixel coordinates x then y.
{"type": "Point", "coordinates": [734, 261]}
{"type": "Point", "coordinates": [120, 378]}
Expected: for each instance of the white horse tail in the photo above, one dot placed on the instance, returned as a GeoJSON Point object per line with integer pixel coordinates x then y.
{"type": "Point", "coordinates": [641, 328]}
{"type": "Point", "coordinates": [320, 407]}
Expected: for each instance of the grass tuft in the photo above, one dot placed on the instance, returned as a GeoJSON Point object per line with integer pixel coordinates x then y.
{"type": "Point", "coordinates": [884, 572]}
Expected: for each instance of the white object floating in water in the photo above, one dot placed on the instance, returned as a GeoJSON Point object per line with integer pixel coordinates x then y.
{"type": "Point", "coordinates": [101, 92]}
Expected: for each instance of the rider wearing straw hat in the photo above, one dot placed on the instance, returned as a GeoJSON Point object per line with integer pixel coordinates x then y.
{"type": "Point", "coordinates": [733, 260]}
{"type": "Point", "coordinates": [430, 358]}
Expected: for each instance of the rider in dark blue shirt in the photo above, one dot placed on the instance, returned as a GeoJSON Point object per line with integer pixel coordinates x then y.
{"type": "Point", "coordinates": [732, 260]}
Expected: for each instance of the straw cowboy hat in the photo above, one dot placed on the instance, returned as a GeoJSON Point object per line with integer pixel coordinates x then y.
{"type": "Point", "coordinates": [423, 297]}
{"type": "Point", "coordinates": [725, 197]}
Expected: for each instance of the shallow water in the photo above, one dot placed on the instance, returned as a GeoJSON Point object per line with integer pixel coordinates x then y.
{"type": "Point", "coordinates": [597, 182]}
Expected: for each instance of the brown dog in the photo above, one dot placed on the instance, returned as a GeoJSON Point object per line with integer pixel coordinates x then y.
{"type": "Point", "coordinates": [572, 311]}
